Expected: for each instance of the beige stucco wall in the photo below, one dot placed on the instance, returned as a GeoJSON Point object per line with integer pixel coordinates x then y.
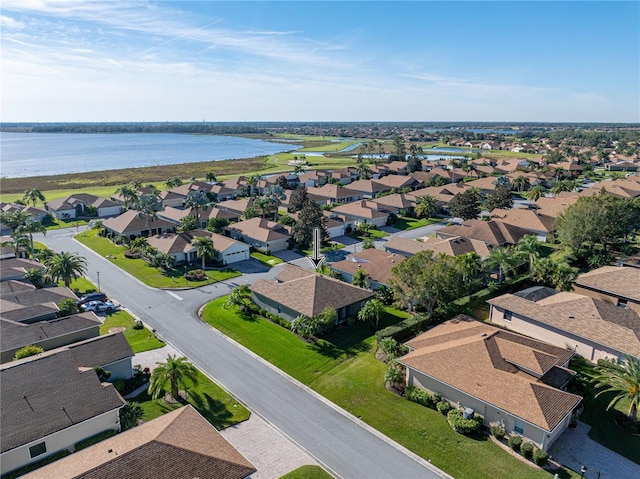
{"type": "Point", "coordinates": [65, 439]}
{"type": "Point", "coordinates": [589, 350]}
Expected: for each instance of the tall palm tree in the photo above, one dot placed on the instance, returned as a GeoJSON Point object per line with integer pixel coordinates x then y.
{"type": "Point", "coordinates": [15, 219]}
{"type": "Point", "coordinates": [427, 206]}
{"type": "Point", "coordinates": [31, 227]}
{"type": "Point", "coordinates": [501, 259]}
{"type": "Point", "coordinates": [520, 183]}
{"type": "Point", "coordinates": [18, 242]}
{"type": "Point", "coordinates": [536, 192]}
{"type": "Point", "coordinates": [210, 176]}
{"type": "Point", "coordinates": [65, 266]}
{"type": "Point", "coordinates": [204, 248]}
{"type": "Point", "coordinates": [371, 311]}
{"type": "Point", "coordinates": [275, 194]}
{"type": "Point", "coordinates": [175, 372]}
{"type": "Point", "coordinates": [469, 265]}
{"type": "Point", "coordinates": [530, 247]}
{"type": "Point", "coordinates": [148, 206]}
{"type": "Point", "coordinates": [624, 381]}
{"type": "Point", "coordinates": [129, 194]}
{"type": "Point", "coordinates": [34, 195]}
{"type": "Point", "coordinates": [173, 182]}
{"type": "Point", "coordinates": [197, 199]}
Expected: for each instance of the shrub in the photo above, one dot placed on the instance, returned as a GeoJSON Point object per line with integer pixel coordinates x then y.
{"type": "Point", "coordinates": [405, 329]}
{"type": "Point", "coordinates": [443, 407]}
{"type": "Point", "coordinates": [526, 449]}
{"type": "Point", "coordinates": [540, 457]}
{"type": "Point", "coordinates": [28, 350]}
{"type": "Point", "coordinates": [514, 442]}
{"type": "Point", "coordinates": [103, 374]}
{"type": "Point", "coordinates": [394, 375]}
{"type": "Point", "coordinates": [119, 384]}
{"type": "Point", "coordinates": [391, 348]}
{"type": "Point", "coordinates": [195, 275]}
{"type": "Point", "coordinates": [138, 325]}
{"type": "Point", "coordinates": [420, 396]}
{"type": "Point", "coordinates": [462, 425]}
{"type": "Point", "coordinates": [497, 431]}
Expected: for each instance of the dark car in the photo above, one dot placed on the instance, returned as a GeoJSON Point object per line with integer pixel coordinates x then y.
{"type": "Point", "coordinates": [92, 297]}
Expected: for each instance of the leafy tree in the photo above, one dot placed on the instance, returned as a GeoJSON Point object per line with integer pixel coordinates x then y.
{"type": "Point", "coordinates": [371, 311]}
{"type": "Point", "coordinates": [298, 198]}
{"type": "Point", "coordinates": [286, 220]}
{"type": "Point", "coordinates": [465, 205]}
{"type": "Point", "coordinates": [399, 147]}
{"type": "Point", "coordinates": [204, 248]}
{"type": "Point", "coordinates": [560, 275]}
{"type": "Point", "coordinates": [282, 182]}
{"type": "Point", "coordinates": [66, 307]}
{"type": "Point", "coordinates": [499, 198]}
{"type": "Point", "coordinates": [414, 164]}
{"type": "Point", "coordinates": [360, 279]}
{"type": "Point", "coordinates": [217, 225]}
{"type": "Point", "coordinates": [34, 195]}
{"type": "Point", "coordinates": [530, 247]}
{"type": "Point", "coordinates": [565, 276]}
{"type": "Point", "coordinates": [502, 181]}
{"type": "Point", "coordinates": [327, 320]}
{"type": "Point", "coordinates": [130, 415]}
{"type": "Point", "coordinates": [28, 350]}
{"type": "Point", "coordinates": [368, 243]}
{"type": "Point", "coordinates": [249, 213]}
{"type": "Point", "coordinates": [129, 194]}
{"type": "Point", "coordinates": [65, 266]}
{"type": "Point", "coordinates": [427, 206]}
{"type": "Point", "coordinates": [520, 184]}
{"type": "Point", "coordinates": [196, 200]}
{"type": "Point", "coordinates": [176, 372]}
{"type": "Point", "coordinates": [623, 381]}
{"type": "Point", "coordinates": [310, 217]}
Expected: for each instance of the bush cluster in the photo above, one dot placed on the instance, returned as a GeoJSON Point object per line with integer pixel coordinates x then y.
{"type": "Point", "coordinates": [405, 329]}
{"type": "Point", "coordinates": [422, 397]}
{"type": "Point", "coordinates": [497, 431]}
{"type": "Point", "coordinates": [526, 449]}
{"type": "Point", "coordinates": [514, 442]}
{"type": "Point", "coordinates": [138, 325]}
{"type": "Point", "coordinates": [443, 407]}
{"type": "Point", "coordinates": [462, 425]}
{"type": "Point", "coordinates": [540, 457]}
{"type": "Point", "coordinates": [274, 318]}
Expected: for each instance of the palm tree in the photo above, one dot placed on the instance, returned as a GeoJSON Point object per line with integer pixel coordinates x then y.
{"type": "Point", "coordinates": [15, 219]}
{"type": "Point", "coordinates": [536, 192]}
{"type": "Point", "coordinates": [18, 241]}
{"type": "Point", "coordinates": [129, 194]}
{"type": "Point", "coordinates": [427, 206]}
{"type": "Point", "coordinates": [239, 296]}
{"type": "Point", "coordinates": [210, 176]}
{"type": "Point", "coordinates": [253, 181]}
{"type": "Point", "coordinates": [469, 265]}
{"type": "Point", "coordinates": [371, 311]}
{"type": "Point", "coordinates": [624, 381]}
{"type": "Point", "coordinates": [204, 248]}
{"type": "Point", "coordinates": [530, 247]}
{"type": "Point", "coordinates": [275, 194]}
{"type": "Point", "coordinates": [360, 278]}
{"type": "Point", "coordinates": [173, 182]}
{"type": "Point", "coordinates": [501, 259]}
{"type": "Point", "coordinates": [31, 227]}
{"type": "Point", "coordinates": [520, 183]}
{"type": "Point", "coordinates": [34, 195]}
{"type": "Point", "coordinates": [65, 266]}
{"type": "Point", "coordinates": [197, 199]}
{"type": "Point", "coordinates": [148, 206]}
{"type": "Point", "coordinates": [176, 372]}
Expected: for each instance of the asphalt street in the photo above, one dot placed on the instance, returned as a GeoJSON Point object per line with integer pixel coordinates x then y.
{"type": "Point", "coordinates": [340, 442]}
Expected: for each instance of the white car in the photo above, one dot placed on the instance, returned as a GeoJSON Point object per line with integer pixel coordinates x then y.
{"type": "Point", "coordinates": [99, 306]}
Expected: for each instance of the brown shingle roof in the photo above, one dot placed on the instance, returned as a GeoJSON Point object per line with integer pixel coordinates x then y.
{"type": "Point", "coordinates": [359, 209]}
{"type": "Point", "coordinates": [452, 246]}
{"type": "Point", "coordinates": [180, 444]}
{"type": "Point", "coordinates": [260, 229]}
{"type": "Point", "coordinates": [132, 221]}
{"type": "Point", "coordinates": [307, 292]}
{"type": "Point", "coordinates": [482, 361]}
{"type": "Point", "coordinates": [582, 316]}
{"type": "Point", "coordinates": [619, 281]}
{"type": "Point", "coordinates": [494, 233]}
{"type": "Point", "coordinates": [46, 393]}
{"type": "Point", "coordinates": [375, 262]}
{"type": "Point", "coordinates": [532, 220]}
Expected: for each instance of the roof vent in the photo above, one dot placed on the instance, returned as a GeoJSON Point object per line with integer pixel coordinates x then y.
{"type": "Point", "coordinates": [571, 316]}
{"type": "Point", "coordinates": [482, 335]}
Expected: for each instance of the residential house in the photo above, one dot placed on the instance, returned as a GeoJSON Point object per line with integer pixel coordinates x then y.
{"type": "Point", "coordinates": [179, 444]}
{"type": "Point", "coordinates": [235, 208]}
{"type": "Point", "coordinates": [49, 404]}
{"type": "Point", "coordinates": [50, 334]}
{"type": "Point", "coordinates": [176, 196]}
{"type": "Point", "coordinates": [535, 221]}
{"type": "Point", "coordinates": [485, 185]}
{"type": "Point", "coordinates": [223, 192]}
{"type": "Point", "coordinates": [33, 305]}
{"type": "Point", "coordinates": [314, 178]}
{"type": "Point", "coordinates": [554, 205]}
{"type": "Point", "coordinates": [399, 182]}
{"type": "Point", "coordinates": [615, 284]}
{"type": "Point", "coordinates": [399, 203]}
{"type": "Point", "coordinates": [82, 205]}
{"type": "Point", "coordinates": [110, 351]}
{"type": "Point", "coordinates": [590, 327]}
{"type": "Point", "coordinates": [12, 268]}
{"type": "Point", "coordinates": [362, 211]}
{"type": "Point", "coordinates": [132, 224]}
{"type": "Point", "coordinates": [176, 215]}
{"type": "Point", "coordinates": [453, 246]}
{"type": "Point", "coordinates": [297, 291]}
{"type": "Point", "coordinates": [181, 246]}
{"type": "Point", "coordinates": [261, 234]}
{"type": "Point", "coordinates": [369, 188]}
{"type": "Point", "coordinates": [37, 214]}
{"type": "Point", "coordinates": [493, 233]}
{"type": "Point", "coordinates": [623, 166]}
{"type": "Point", "coordinates": [397, 167]}
{"type": "Point", "coordinates": [331, 194]}
{"type": "Point", "coordinates": [504, 377]}
{"type": "Point", "coordinates": [376, 263]}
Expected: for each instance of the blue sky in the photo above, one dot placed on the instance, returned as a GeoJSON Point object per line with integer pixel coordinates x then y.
{"type": "Point", "coordinates": [69, 60]}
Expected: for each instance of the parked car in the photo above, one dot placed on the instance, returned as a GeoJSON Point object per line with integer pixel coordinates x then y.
{"type": "Point", "coordinates": [99, 306]}
{"type": "Point", "coordinates": [92, 297]}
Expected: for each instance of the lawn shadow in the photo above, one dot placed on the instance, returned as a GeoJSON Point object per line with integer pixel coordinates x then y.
{"type": "Point", "coordinates": [213, 410]}
{"type": "Point", "coordinates": [326, 349]}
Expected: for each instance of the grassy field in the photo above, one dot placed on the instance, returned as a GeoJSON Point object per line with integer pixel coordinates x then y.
{"type": "Point", "coordinates": [214, 403]}
{"type": "Point", "coordinates": [266, 259]}
{"type": "Point", "coordinates": [139, 339]}
{"type": "Point", "coordinates": [308, 472]}
{"type": "Point", "coordinates": [406, 223]}
{"type": "Point", "coordinates": [342, 368]}
{"type": "Point", "coordinates": [141, 270]}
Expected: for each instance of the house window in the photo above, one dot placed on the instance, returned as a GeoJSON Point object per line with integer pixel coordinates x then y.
{"type": "Point", "coordinates": [37, 450]}
{"type": "Point", "coordinates": [518, 427]}
{"type": "Point", "coordinates": [507, 315]}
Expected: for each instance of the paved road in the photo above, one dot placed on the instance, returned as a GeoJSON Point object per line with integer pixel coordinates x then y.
{"type": "Point", "coordinates": [337, 440]}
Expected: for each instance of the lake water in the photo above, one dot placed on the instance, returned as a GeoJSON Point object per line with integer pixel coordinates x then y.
{"type": "Point", "coordinates": [44, 154]}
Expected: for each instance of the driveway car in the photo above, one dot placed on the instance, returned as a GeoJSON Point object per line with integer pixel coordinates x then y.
{"type": "Point", "coordinates": [99, 306]}
{"type": "Point", "coordinates": [92, 297]}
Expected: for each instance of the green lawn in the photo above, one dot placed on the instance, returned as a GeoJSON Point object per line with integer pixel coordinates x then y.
{"type": "Point", "coordinates": [139, 339]}
{"type": "Point", "coordinates": [603, 428]}
{"type": "Point", "coordinates": [266, 259]}
{"type": "Point", "coordinates": [342, 368]}
{"type": "Point", "coordinates": [408, 223]}
{"type": "Point", "coordinates": [141, 270]}
{"type": "Point", "coordinates": [308, 472]}
{"type": "Point", "coordinates": [214, 403]}
{"type": "Point", "coordinates": [372, 233]}
{"type": "Point", "coordinates": [58, 224]}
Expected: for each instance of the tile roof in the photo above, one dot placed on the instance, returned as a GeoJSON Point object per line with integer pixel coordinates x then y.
{"type": "Point", "coordinates": [375, 262]}
{"type": "Point", "coordinates": [307, 292]}
{"type": "Point", "coordinates": [493, 365]}
{"type": "Point", "coordinates": [179, 444]}
{"type": "Point", "coordinates": [28, 304]}
{"type": "Point", "coordinates": [583, 316]}
{"type": "Point", "coordinates": [132, 221]}
{"type": "Point", "coordinates": [398, 181]}
{"type": "Point", "coordinates": [619, 281]}
{"type": "Point", "coordinates": [368, 186]}
{"type": "Point", "coordinates": [494, 233]}
{"type": "Point", "coordinates": [46, 393]}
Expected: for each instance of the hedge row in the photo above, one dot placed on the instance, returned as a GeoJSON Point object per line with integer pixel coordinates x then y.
{"type": "Point", "coordinates": [422, 397]}
{"type": "Point", "coordinates": [405, 329]}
